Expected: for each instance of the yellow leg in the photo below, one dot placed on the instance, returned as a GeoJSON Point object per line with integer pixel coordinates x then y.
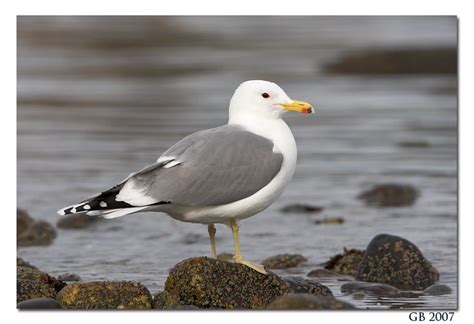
{"type": "Point", "coordinates": [238, 257]}
{"type": "Point", "coordinates": [212, 235]}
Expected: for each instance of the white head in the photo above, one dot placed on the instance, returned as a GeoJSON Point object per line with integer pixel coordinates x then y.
{"type": "Point", "coordinates": [258, 99]}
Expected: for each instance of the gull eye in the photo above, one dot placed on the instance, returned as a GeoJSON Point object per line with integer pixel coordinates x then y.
{"type": "Point", "coordinates": [265, 95]}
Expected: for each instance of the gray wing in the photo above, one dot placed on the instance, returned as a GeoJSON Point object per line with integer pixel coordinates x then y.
{"type": "Point", "coordinates": [208, 168]}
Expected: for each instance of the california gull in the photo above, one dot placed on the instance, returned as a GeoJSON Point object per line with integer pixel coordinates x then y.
{"type": "Point", "coordinates": [219, 175]}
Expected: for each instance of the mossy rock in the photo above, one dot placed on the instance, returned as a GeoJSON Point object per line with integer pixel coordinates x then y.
{"type": "Point", "coordinates": [22, 263]}
{"type": "Point", "coordinates": [283, 261]}
{"type": "Point", "coordinates": [210, 283]}
{"type": "Point", "coordinates": [166, 301]}
{"type": "Point", "coordinates": [30, 289]}
{"type": "Point", "coordinates": [397, 262]}
{"type": "Point", "coordinates": [299, 285]}
{"type": "Point", "coordinates": [390, 195]}
{"type": "Point", "coordinates": [306, 301]}
{"type": "Point", "coordinates": [346, 263]}
{"type": "Point", "coordinates": [105, 295]}
{"type": "Point", "coordinates": [33, 274]}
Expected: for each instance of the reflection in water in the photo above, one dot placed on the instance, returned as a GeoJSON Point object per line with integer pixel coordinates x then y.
{"type": "Point", "coordinates": [99, 97]}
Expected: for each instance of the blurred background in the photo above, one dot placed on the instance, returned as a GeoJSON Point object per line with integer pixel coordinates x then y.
{"type": "Point", "coordinates": [100, 97]}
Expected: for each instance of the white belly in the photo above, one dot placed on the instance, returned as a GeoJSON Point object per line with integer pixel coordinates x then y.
{"type": "Point", "coordinates": [284, 143]}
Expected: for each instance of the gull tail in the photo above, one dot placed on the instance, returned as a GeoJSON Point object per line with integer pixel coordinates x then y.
{"type": "Point", "coordinates": [105, 205]}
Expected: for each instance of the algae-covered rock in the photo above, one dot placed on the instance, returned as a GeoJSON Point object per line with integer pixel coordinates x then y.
{"type": "Point", "coordinates": [22, 263]}
{"type": "Point", "coordinates": [346, 263]}
{"type": "Point", "coordinates": [210, 283]}
{"type": "Point", "coordinates": [299, 285]}
{"type": "Point", "coordinates": [76, 221]}
{"type": "Point", "coordinates": [105, 295]}
{"type": "Point", "coordinates": [70, 277]}
{"type": "Point", "coordinates": [164, 300]}
{"type": "Point", "coordinates": [396, 261]}
{"type": "Point", "coordinates": [307, 301]}
{"type": "Point", "coordinates": [329, 221]}
{"type": "Point", "coordinates": [283, 261]}
{"type": "Point", "coordinates": [30, 289]}
{"type": "Point", "coordinates": [390, 195]}
{"type": "Point", "coordinates": [31, 232]}
{"type": "Point", "coordinates": [33, 274]}
{"type": "Point", "coordinates": [39, 303]}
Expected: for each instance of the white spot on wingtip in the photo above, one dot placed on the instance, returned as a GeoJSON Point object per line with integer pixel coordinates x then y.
{"type": "Point", "coordinates": [73, 210]}
{"type": "Point", "coordinates": [61, 212]}
{"type": "Point", "coordinates": [103, 204]}
{"type": "Point", "coordinates": [87, 207]}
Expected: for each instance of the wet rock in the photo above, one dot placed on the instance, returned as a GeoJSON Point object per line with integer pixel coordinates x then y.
{"type": "Point", "coordinates": [346, 263]}
{"type": "Point", "coordinates": [329, 221]}
{"type": "Point", "coordinates": [164, 300]}
{"type": "Point", "coordinates": [437, 290]}
{"type": "Point", "coordinates": [31, 232]}
{"type": "Point", "coordinates": [301, 209]}
{"type": "Point", "coordinates": [105, 295]}
{"type": "Point", "coordinates": [22, 263]}
{"type": "Point", "coordinates": [33, 274]}
{"type": "Point", "coordinates": [76, 221]}
{"type": "Point", "coordinates": [299, 285]}
{"type": "Point", "coordinates": [70, 277]}
{"type": "Point", "coordinates": [39, 303]}
{"type": "Point", "coordinates": [380, 290]}
{"type": "Point", "coordinates": [211, 283]}
{"type": "Point", "coordinates": [307, 301]}
{"type": "Point", "coordinates": [30, 289]}
{"type": "Point", "coordinates": [283, 261]}
{"type": "Point", "coordinates": [397, 61]}
{"type": "Point", "coordinates": [396, 261]}
{"type": "Point", "coordinates": [390, 195]}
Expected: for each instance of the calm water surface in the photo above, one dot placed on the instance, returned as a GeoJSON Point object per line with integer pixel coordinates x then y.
{"type": "Point", "coordinates": [99, 99]}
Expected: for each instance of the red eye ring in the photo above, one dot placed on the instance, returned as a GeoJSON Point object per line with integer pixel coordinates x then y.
{"type": "Point", "coordinates": [265, 95]}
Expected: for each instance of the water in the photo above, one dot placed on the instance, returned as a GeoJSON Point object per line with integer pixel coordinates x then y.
{"type": "Point", "coordinates": [99, 98]}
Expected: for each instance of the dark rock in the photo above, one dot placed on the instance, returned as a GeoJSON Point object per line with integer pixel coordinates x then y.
{"type": "Point", "coordinates": [299, 285]}
{"type": "Point", "coordinates": [39, 303]}
{"type": "Point", "coordinates": [105, 295]}
{"type": "Point", "coordinates": [301, 209]}
{"type": "Point", "coordinates": [329, 221]}
{"type": "Point", "coordinates": [33, 274]}
{"type": "Point", "coordinates": [437, 290]}
{"type": "Point", "coordinates": [306, 301]}
{"type": "Point", "coordinates": [346, 263]}
{"type": "Point", "coordinates": [376, 289]}
{"type": "Point", "coordinates": [359, 295]}
{"type": "Point", "coordinates": [396, 261]}
{"type": "Point", "coordinates": [22, 263]}
{"type": "Point", "coordinates": [283, 261]}
{"type": "Point", "coordinates": [164, 300]}
{"type": "Point", "coordinates": [76, 221]}
{"type": "Point", "coordinates": [390, 195]}
{"type": "Point", "coordinates": [211, 283]}
{"type": "Point", "coordinates": [397, 61]}
{"type": "Point", "coordinates": [71, 277]}
{"type": "Point", "coordinates": [30, 289]}
{"type": "Point", "coordinates": [31, 232]}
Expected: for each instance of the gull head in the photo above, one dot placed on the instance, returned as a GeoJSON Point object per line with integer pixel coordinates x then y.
{"type": "Point", "coordinates": [263, 99]}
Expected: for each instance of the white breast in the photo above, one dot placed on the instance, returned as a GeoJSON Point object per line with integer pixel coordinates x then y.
{"type": "Point", "coordinates": [279, 132]}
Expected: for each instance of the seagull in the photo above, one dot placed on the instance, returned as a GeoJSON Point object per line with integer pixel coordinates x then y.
{"type": "Point", "coordinates": [215, 176]}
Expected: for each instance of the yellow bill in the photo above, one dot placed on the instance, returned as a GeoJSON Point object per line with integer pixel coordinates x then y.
{"type": "Point", "coordinates": [299, 106]}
